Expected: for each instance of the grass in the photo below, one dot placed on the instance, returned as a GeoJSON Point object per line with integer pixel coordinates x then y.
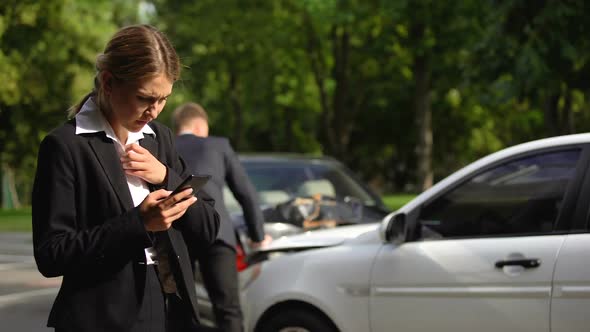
{"type": "Point", "coordinates": [395, 201]}
{"type": "Point", "coordinates": [19, 220]}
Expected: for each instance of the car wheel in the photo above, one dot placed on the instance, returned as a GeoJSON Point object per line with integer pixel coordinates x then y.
{"type": "Point", "coordinates": [296, 320]}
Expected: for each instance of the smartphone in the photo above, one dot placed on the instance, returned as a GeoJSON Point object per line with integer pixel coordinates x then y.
{"type": "Point", "coordinates": [195, 181]}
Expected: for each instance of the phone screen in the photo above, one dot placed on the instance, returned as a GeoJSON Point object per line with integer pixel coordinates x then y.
{"type": "Point", "coordinates": [195, 181]}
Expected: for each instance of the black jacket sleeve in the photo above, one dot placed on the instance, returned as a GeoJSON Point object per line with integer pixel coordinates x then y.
{"type": "Point", "coordinates": [61, 243]}
{"type": "Point", "coordinates": [245, 193]}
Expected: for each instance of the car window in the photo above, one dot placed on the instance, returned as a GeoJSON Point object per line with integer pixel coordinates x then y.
{"type": "Point", "coordinates": [522, 196]}
{"type": "Point", "coordinates": [305, 179]}
{"type": "Point", "coordinates": [279, 181]}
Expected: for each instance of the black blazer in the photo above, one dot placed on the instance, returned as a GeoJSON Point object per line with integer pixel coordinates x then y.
{"type": "Point", "coordinates": [215, 156]}
{"type": "Point", "coordinates": [86, 229]}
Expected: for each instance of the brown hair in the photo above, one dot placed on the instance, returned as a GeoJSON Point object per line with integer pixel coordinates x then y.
{"type": "Point", "coordinates": [187, 112]}
{"type": "Point", "coordinates": [133, 53]}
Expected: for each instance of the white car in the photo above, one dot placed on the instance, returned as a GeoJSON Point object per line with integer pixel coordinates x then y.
{"type": "Point", "coordinates": [500, 245]}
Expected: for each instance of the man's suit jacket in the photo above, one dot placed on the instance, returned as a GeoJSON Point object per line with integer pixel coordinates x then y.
{"type": "Point", "coordinates": [215, 156]}
{"type": "Point", "coordinates": [86, 229]}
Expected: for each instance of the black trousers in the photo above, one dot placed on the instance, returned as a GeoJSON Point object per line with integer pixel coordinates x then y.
{"type": "Point", "coordinates": [152, 314]}
{"type": "Point", "coordinates": [220, 275]}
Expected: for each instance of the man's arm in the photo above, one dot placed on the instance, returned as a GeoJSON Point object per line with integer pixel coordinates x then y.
{"type": "Point", "coordinates": [245, 193]}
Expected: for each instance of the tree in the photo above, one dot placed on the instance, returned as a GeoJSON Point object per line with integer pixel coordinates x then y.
{"type": "Point", "coordinates": [438, 36]}
{"type": "Point", "coordinates": [47, 55]}
{"type": "Point", "coordinates": [539, 54]}
{"type": "Point", "coordinates": [315, 73]}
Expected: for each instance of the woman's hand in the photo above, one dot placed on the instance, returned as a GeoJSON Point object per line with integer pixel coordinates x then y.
{"type": "Point", "coordinates": [159, 210]}
{"type": "Point", "coordinates": [140, 162]}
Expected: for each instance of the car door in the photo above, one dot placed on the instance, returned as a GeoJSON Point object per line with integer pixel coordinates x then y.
{"type": "Point", "coordinates": [485, 250]}
{"type": "Point", "coordinates": [570, 301]}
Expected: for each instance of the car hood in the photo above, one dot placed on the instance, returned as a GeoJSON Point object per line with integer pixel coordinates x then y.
{"type": "Point", "coordinates": [320, 238]}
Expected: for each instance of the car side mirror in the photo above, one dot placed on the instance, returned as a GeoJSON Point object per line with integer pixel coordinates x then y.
{"type": "Point", "coordinates": [395, 229]}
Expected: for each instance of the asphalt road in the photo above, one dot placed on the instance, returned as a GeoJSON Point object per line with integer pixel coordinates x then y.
{"type": "Point", "coordinates": [25, 295]}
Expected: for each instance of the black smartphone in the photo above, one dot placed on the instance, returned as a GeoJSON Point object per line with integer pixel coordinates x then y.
{"type": "Point", "coordinates": [195, 181]}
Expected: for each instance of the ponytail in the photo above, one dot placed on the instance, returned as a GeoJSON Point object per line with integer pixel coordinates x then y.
{"type": "Point", "coordinates": [72, 111]}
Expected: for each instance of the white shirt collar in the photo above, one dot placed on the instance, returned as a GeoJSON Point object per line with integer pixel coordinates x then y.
{"type": "Point", "coordinates": [91, 120]}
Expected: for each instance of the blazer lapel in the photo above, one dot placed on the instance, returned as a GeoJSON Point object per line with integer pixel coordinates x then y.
{"type": "Point", "coordinates": [109, 160]}
{"type": "Point", "coordinates": [149, 143]}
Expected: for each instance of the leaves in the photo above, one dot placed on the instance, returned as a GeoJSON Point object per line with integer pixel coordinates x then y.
{"type": "Point", "coordinates": [337, 77]}
{"type": "Point", "coordinates": [47, 54]}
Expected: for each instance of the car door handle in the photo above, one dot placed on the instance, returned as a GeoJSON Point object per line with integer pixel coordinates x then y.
{"type": "Point", "coordinates": [527, 263]}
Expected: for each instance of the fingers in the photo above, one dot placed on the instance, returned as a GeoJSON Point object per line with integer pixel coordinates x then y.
{"type": "Point", "coordinates": [175, 211]}
{"type": "Point", "coordinates": [164, 200]}
{"type": "Point", "coordinates": [138, 161]}
{"type": "Point", "coordinates": [159, 194]}
{"type": "Point", "coordinates": [135, 156]}
{"type": "Point", "coordinates": [134, 161]}
{"type": "Point", "coordinates": [160, 209]}
{"type": "Point", "coordinates": [136, 148]}
{"type": "Point", "coordinates": [180, 197]}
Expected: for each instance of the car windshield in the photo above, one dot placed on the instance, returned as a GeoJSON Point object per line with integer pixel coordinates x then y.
{"type": "Point", "coordinates": [277, 181]}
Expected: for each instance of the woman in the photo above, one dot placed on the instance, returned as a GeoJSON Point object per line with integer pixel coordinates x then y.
{"type": "Point", "coordinates": [103, 216]}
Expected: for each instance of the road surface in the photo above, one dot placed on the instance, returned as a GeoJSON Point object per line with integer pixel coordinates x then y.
{"type": "Point", "coordinates": [25, 295]}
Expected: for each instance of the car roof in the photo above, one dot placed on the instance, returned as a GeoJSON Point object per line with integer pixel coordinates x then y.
{"type": "Point", "coordinates": [545, 143]}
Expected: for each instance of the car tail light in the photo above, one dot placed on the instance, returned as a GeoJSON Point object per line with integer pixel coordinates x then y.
{"type": "Point", "coordinates": [247, 272]}
{"type": "Point", "coordinates": [240, 258]}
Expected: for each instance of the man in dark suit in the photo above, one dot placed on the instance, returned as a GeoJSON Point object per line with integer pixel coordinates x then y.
{"type": "Point", "coordinates": [205, 154]}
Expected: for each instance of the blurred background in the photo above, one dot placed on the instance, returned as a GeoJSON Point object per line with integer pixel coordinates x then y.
{"type": "Point", "coordinates": [403, 92]}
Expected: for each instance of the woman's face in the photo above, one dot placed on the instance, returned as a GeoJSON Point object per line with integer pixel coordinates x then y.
{"type": "Point", "coordinates": [134, 104]}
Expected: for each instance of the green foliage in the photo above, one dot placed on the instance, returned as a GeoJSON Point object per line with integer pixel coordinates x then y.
{"type": "Point", "coordinates": [47, 54]}
{"type": "Point", "coordinates": [540, 55]}
{"type": "Point", "coordinates": [336, 77]}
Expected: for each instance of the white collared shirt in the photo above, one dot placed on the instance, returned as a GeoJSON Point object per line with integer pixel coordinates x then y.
{"type": "Point", "coordinates": [91, 120]}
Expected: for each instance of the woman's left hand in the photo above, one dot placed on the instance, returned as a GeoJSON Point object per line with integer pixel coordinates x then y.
{"type": "Point", "coordinates": [140, 162]}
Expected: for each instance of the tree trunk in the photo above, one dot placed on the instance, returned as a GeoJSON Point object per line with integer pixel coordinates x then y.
{"type": "Point", "coordinates": [567, 114]}
{"type": "Point", "coordinates": [422, 108]}
{"type": "Point", "coordinates": [552, 114]}
{"type": "Point", "coordinates": [423, 119]}
{"type": "Point", "coordinates": [237, 110]}
{"type": "Point", "coordinates": [6, 128]}
{"type": "Point", "coordinates": [342, 112]}
{"type": "Point", "coordinates": [318, 68]}
{"type": "Point", "coordinates": [288, 129]}
{"type": "Point", "coordinates": [10, 195]}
